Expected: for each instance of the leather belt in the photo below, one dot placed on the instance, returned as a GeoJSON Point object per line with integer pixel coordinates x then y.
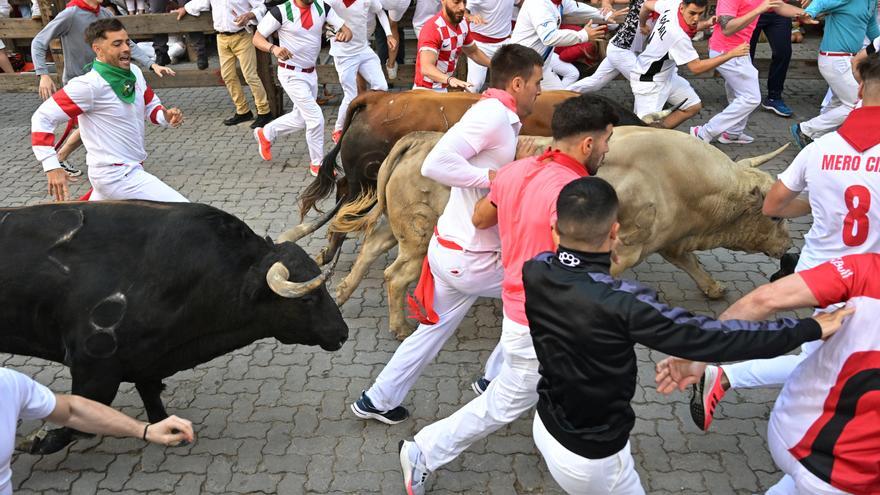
{"type": "Point", "coordinates": [446, 243]}
{"type": "Point", "coordinates": [306, 70]}
{"type": "Point", "coordinates": [837, 54]}
{"type": "Point", "coordinates": [230, 33]}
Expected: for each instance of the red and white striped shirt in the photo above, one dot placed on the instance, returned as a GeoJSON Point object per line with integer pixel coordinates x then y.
{"type": "Point", "coordinates": [446, 41]}
{"type": "Point", "coordinates": [112, 131]}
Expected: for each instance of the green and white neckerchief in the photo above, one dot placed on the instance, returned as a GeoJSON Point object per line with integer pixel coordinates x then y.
{"type": "Point", "coordinates": [121, 80]}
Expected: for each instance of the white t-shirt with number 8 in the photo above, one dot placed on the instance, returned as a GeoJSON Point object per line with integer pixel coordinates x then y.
{"type": "Point", "coordinates": [844, 189]}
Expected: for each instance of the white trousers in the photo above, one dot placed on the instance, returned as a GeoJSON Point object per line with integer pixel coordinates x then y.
{"type": "Point", "coordinates": [743, 97]}
{"type": "Point", "coordinates": [551, 80]}
{"type": "Point", "coordinates": [130, 182]}
{"type": "Point", "coordinates": [616, 61]}
{"type": "Point", "coordinates": [837, 72]}
{"type": "Point", "coordinates": [612, 475]}
{"type": "Point", "coordinates": [567, 72]}
{"type": "Point", "coordinates": [460, 277]}
{"type": "Point", "coordinates": [476, 73]}
{"type": "Point", "coordinates": [366, 64]}
{"type": "Point", "coordinates": [767, 372]}
{"type": "Point", "coordinates": [797, 480]}
{"type": "Point", "coordinates": [650, 96]}
{"type": "Point", "coordinates": [302, 88]}
{"type": "Point", "coordinates": [511, 393]}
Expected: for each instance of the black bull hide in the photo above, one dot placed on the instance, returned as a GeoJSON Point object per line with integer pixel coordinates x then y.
{"type": "Point", "coordinates": [135, 291]}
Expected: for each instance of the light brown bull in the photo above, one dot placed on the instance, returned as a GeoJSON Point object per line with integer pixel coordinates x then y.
{"type": "Point", "coordinates": [678, 195]}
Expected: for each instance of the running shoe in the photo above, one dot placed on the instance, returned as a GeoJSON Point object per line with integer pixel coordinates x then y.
{"type": "Point", "coordinates": [392, 72]}
{"type": "Point", "coordinates": [743, 138]}
{"type": "Point", "coordinates": [70, 169]}
{"type": "Point", "coordinates": [695, 132]}
{"type": "Point", "coordinates": [480, 385]}
{"type": "Point", "coordinates": [705, 396]}
{"type": "Point", "coordinates": [364, 409]}
{"type": "Point", "coordinates": [264, 144]}
{"type": "Point", "coordinates": [777, 106]}
{"type": "Point", "coordinates": [415, 473]}
{"type": "Point", "coordinates": [798, 136]}
{"type": "Point", "coordinates": [314, 169]}
{"type": "Point", "coordinates": [337, 135]}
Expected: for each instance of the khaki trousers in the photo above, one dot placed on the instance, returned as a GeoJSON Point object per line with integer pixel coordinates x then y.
{"type": "Point", "coordinates": [241, 46]}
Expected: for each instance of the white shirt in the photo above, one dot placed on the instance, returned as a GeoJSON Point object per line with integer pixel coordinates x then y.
{"type": "Point", "coordinates": [826, 168]}
{"type": "Point", "coordinates": [357, 17]}
{"type": "Point", "coordinates": [425, 9]}
{"type": "Point", "coordinates": [20, 398]}
{"type": "Point", "coordinates": [484, 139]}
{"type": "Point", "coordinates": [667, 47]}
{"type": "Point", "coordinates": [303, 44]}
{"type": "Point", "coordinates": [221, 12]}
{"type": "Point", "coordinates": [537, 25]}
{"type": "Point", "coordinates": [496, 14]}
{"type": "Point", "coordinates": [396, 8]}
{"type": "Point", "coordinates": [112, 131]}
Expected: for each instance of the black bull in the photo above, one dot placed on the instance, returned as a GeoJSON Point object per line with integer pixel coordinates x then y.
{"type": "Point", "coordinates": [136, 291]}
{"type": "Point", "coordinates": [377, 120]}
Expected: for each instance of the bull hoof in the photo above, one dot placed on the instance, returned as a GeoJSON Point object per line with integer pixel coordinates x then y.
{"type": "Point", "coordinates": [715, 291]}
{"type": "Point", "coordinates": [48, 442]}
{"type": "Point", "coordinates": [342, 293]}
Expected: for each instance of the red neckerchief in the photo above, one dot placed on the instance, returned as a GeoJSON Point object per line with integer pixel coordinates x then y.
{"type": "Point", "coordinates": [860, 129]}
{"type": "Point", "coordinates": [348, 2]}
{"type": "Point", "coordinates": [565, 160]}
{"type": "Point", "coordinates": [83, 5]}
{"type": "Point", "coordinates": [504, 97]}
{"type": "Point", "coordinates": [305, 15]}
{"type": "Point", "coordinates": [557, 2]}
{"type": "Point", "coordinates": [691, 31]}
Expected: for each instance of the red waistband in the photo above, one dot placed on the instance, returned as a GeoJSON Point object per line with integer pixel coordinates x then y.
{"type": "Point", "coordinates": [307, 70]}
{"type": "Point", "coordinates": [446, 243]}
{"type": "Point", "coordinates": [837, 54]}
{"type": "Point", "coordinates": [482, 38]}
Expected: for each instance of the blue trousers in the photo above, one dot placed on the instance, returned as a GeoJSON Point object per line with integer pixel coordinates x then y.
{"type": "Point", "coordinates": [778, 31]}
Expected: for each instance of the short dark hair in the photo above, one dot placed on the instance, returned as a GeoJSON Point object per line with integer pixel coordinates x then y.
{"type": "Point", "coordinates": [512, 61]}
{"type": "Point", "coordinates": [581, 114]}
{"type": "Point", "coordinates": [869, 68]}
{"type": "Point", "coordinates": [99, 28]}
{"type": "Point", "coordinates": [585, 210]}
{"type": "Point", "coordinates": [698, 3]}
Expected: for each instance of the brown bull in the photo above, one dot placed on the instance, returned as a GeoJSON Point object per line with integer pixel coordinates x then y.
{"type": "Point", "coordinates": [678, 195]}
{"type": "Point", "coordinates": [376, 120]}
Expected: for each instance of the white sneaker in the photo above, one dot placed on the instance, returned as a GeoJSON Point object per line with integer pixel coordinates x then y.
{"type": "Point", "coordinates": [415, 473]}
{"type": "Point", "coordinates": [695, 132]}
{"type": "Point", "coordinates": [727, 138]}
{"type": "Point", "coordinates": [392, 72]}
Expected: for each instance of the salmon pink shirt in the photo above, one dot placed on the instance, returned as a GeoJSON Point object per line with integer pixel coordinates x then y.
{"type": "Point", "coordinates": [736, 8]}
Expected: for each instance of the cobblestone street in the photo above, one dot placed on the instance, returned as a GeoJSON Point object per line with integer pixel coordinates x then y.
{"type": "Point", "coordinates": [273, 418]}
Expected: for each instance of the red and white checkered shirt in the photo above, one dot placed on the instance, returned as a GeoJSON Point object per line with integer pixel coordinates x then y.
{"type": "Point", "coordinates": [446, 41]}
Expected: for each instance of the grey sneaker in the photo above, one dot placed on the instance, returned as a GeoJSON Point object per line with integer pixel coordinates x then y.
{"type": "Point", "coordinates": [480, 385]}
{"type": "Point", "coordinates": [70, 169]}
{"type": "Point", "coordinates": [364, 409]}
{"type": "Point", "coordinates": [415, 473]}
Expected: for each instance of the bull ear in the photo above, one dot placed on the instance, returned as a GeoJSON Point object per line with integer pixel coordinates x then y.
{"type": "Point", "coordinates": [254, 283]}
{"type": "Point", "coordinates": [757, 196]}
{"type": "Point", "coordinates": [269, 240]}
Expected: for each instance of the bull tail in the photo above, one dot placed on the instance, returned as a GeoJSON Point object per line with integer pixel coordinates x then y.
{"type": "Point", "coordinates": [760, 160]}
{"type": "Point", "coordinates": [353, 217]}
{"type": "Point", "coordinates": [385, 172]}
{"type": "Point", "coordinates": [325, 182]}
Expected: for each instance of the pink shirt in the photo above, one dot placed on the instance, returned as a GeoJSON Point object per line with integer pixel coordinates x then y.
{"type": "Point", "coordinates": [736, 8]}
{"type": "Point", "coordinates": [525, 194]}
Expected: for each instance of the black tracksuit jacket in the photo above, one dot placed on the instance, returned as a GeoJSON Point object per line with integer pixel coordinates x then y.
{"type": "Point", "coordinates": [585, 324]}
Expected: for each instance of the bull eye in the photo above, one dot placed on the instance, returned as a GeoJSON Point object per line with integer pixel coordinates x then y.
{"type": "Point", "coordinates": [776, 219]}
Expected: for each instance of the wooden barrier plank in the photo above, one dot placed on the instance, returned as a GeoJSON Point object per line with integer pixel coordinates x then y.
{"type": "Point", "coordinates": [137, 26]}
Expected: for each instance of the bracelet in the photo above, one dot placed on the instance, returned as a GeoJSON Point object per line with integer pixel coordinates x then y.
{"type": "Point", "coordinates": [145, 432]}
{"type": "Point", "coordinates": [448, 79]}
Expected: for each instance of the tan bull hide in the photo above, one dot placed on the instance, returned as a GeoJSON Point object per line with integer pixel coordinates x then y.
{"type": "Point", "coordinates": [678, 195]}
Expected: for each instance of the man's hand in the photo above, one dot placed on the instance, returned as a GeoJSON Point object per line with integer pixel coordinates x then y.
{"type": "Point", "coordinates": [644, 29]}
{"type": "Point", "coordinates": [805, 3]}
{"type": "Point", "coordinates": [677, 374]}
{"type": "Point", "coordinates": [475, 19]}
{"type": "Point", "coordinates": [526, 147]}
{"type": "Point", "coordinates": [58, 181]}
{"type": "Point", "coordinates": [616, 14]}
{"type": "Point", "coordinates": [392, 43]}
{"type": "Point", "coordinates": [595, 33]}
{"type": "Point", "coordinates": [171, 431]}
{"type": "Point", "coordinates": [47, 87]}
{"type": "Point", "coordinates": [707, 24]}
{"type": "Point", "coordinates": [173, 116]}
{"type": "Point", "coordinates": [181, 13]}
{"type": "Point", "coordinates": [771, 4]}
{"type": "Point", "coordinates": [740, 51]}
{"type": "Point", "coordinates": [806, 18]}
{"type": "Point", "coordinates": [243, 19]}
{"type": "Point", "coordinates": [492, 174]}
{"type": "Point", "coordinates": [831, 322]}
{"type": "Point", "coordinates": [458, 83]}
{"type": "Point", "coordinates": [281, 53]}
{"type": "Point", "coordinates": [162, 71]}
{"type": "Point", "coordinates": [344, 34]}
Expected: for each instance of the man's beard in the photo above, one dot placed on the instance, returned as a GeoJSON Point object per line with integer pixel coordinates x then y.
{"type": "Point", "coordinates": [452, 16]}
{"type": "Point", "coordinates": [594, 162]}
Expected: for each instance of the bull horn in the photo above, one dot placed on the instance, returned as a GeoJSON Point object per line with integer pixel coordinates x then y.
{"type": "Point", "coordinates": [306, 228]}
{"type": "Point", "coordinates": [760, 160]}
{"type": "Point", "coordinates": [278, 279]}
{"type": "Point", "coordinates": [662, 114]}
